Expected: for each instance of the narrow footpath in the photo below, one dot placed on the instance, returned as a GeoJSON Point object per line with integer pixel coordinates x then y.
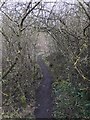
{"type": "Point", "coordinates": [44, 99]}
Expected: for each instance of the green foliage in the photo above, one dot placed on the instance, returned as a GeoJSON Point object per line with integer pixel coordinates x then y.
{"type": "Point", "coordinates": [69, 101]}
{"type": "Point", "coordinates": [23, 101]}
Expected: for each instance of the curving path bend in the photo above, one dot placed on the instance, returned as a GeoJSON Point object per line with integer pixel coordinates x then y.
{"type": "Point", "coordinates": [44, 99]}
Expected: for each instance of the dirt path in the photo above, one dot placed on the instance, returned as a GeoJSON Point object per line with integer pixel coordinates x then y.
{"type": "Point", "coordinates": [44, 93]}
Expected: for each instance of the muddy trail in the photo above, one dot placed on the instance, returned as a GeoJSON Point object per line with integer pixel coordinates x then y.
{"type": "Point", "coordinates": [44, 99]}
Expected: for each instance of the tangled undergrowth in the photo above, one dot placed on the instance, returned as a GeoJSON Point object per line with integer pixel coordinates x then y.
{"type": "Point", "coordinates": [19, 93]}
{"type": "Point", "coordinates": [71, 98]}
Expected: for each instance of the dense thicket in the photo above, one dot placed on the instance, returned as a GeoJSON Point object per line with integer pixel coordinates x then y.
{"type": "Point", "coordinates": [66, 30]}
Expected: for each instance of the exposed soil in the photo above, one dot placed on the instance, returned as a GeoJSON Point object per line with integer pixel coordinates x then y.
{"type": "Point", "coordinates": [44, 98]}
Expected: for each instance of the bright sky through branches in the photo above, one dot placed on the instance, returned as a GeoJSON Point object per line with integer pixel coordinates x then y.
{"type": "Point", "coordinates": [47, 0]}
{"type": "Point", "coordinates": [70, 1]}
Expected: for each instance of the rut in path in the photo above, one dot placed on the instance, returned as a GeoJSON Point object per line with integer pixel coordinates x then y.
{"type": "Point", "coordinates": [44, 97]}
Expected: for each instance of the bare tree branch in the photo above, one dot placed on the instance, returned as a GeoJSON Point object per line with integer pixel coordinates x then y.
{"type": "Point", "coordinates": [84, 9]}
{"type": "Point", "coordinates": [3, 4]}
{"type": "Point", "coordinates": [8, 71]}
{"type": "Point", "coordinates": [21, 24]}
{"type": "Point", "coordinates": [86, 29]}
{"type": "Point", "coordinates": [9, 17]}
{"type": "Point", "coordinates": [6, 37]}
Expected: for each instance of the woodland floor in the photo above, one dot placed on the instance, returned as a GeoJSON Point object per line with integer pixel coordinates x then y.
{"type": "Point", "coordinates": [44, 98]}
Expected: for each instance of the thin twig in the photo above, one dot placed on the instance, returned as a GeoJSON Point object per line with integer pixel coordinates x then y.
{"type": "Point", "coordinates": [6, 37]}
{"type": "Point", "coordinates": [22, 21]}
{"type": "Point", "coordinates": [11, 67]}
